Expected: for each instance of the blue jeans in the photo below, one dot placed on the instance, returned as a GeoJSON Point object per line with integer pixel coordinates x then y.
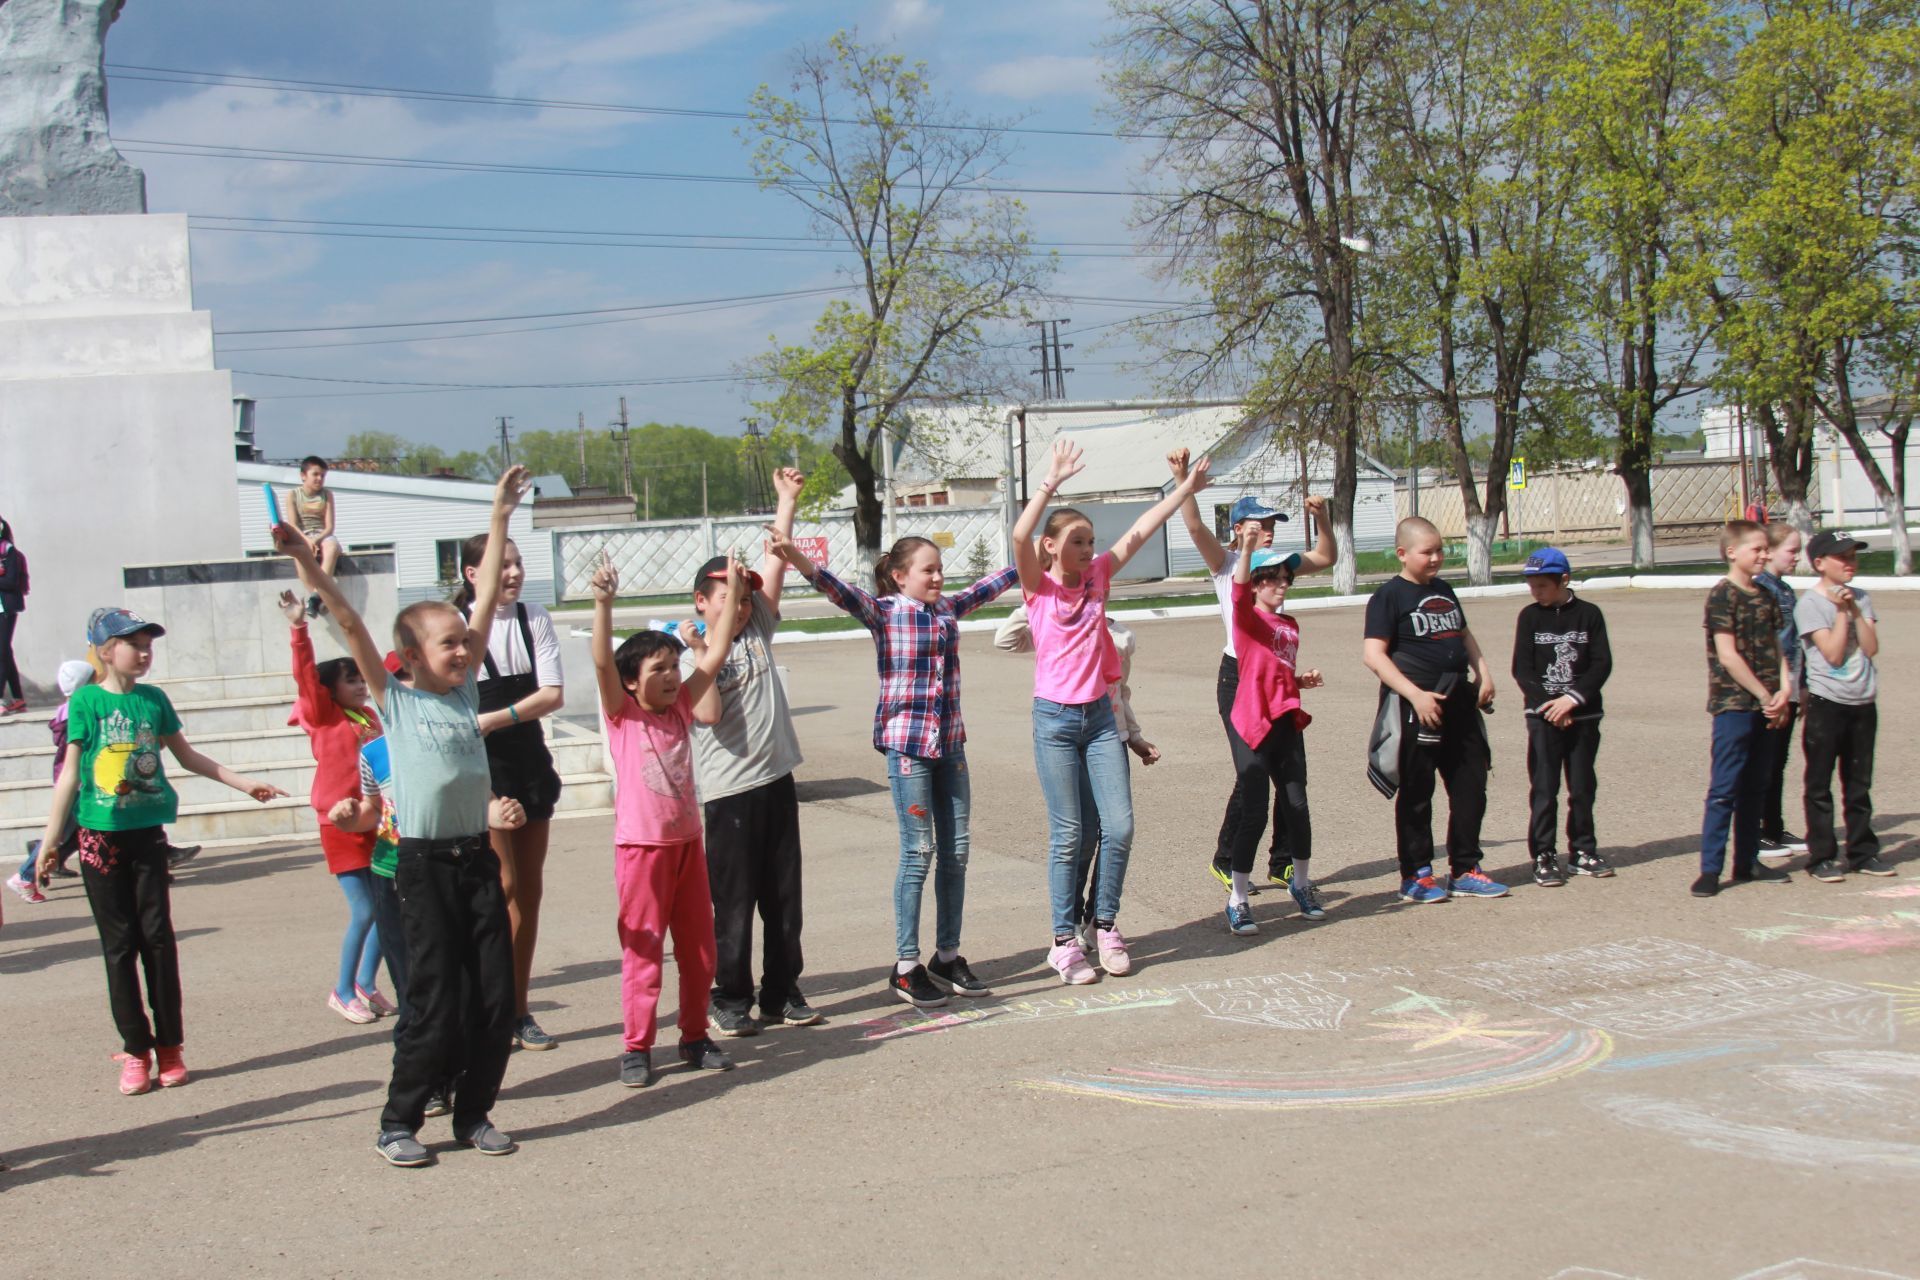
{"type": "Point", "coordinates": [1741, 760]}
{"type": "Point", "coordinates": [932, 800]}
{"type": "Point", "coordinates": [1083, 774]}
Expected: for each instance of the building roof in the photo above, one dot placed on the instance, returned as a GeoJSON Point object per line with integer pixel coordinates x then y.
{"type": "Point", "coordinates": [447, 489]}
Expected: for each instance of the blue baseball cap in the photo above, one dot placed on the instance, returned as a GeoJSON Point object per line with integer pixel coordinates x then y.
{"type": "Point", "coordinates": [1547, 560]}
{"type": "Point", "coordinates": [1268, 558]}
{"type": "Point", "coordinates": [117, 624]}
{"type": "Point", "coordinates": [1252, 508]}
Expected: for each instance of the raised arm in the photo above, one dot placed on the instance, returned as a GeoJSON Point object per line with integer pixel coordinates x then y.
{"type": "Point", "coordinates": [367, 655]}
{"type": "Point", "coordinates": [1212, 551]}
{"type": "Point", "coordinates": [1064, 464]}
{"type": "Point", "coordinates": [513, 485]}
{"type": "Point", "coordinates": [842, 595]}
{"type": "Point", "coordinates": [1322, 556]}
{"type": "Point", "coordinates": [310, 702]}
{"type": "Point", "coordinates": [1151, 519]}
{"type": "Point", "coordinates": [606, 587]}
{"type": "Point", "coordinates": [719, 638]}
{"type": "Point", "coordinates": [787, 483]}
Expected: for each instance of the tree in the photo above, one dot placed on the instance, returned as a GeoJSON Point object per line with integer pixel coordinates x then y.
{"type": "Point", "coordinates": [1476, 182]}
{"type": "Point", "coordinates": [397, 455]}
{"type": "Point", "coordinates": [883, 165]}
{"type": "Point", "coordinates": [1261, 108]}
{"type": "Point", "coordinates": [1632, 91]}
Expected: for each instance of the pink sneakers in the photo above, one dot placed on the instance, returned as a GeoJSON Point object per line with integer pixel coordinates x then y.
{"type": "Point", "coordinates": [354, 1010]}
{"type": "Point", "coordinates": [381, 1006]}
{"type": "Point", "coordinates": [1069, 959]}
{"type": "Point", "coordinates": [172, 1067]}
{"type": "Point", "coordinates": [133, 1073]}
{"type": "Point", "coordinates": [1113, 952]}
{"type": "Point", "coordinates": [27, 889]}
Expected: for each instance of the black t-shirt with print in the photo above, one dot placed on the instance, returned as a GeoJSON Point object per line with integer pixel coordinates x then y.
{"type": "Point", "coordinates": [1424, 627]}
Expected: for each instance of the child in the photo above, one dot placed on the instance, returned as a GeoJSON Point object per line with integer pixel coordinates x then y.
{"type": "Point", "coordinates": [26, 881]}
{"type": "Point", "coordinates": [1783, 552]}
{"type": "Point", "coordinates": [521, 683]}
{"type": "Point", "coordinates": [1249, 778]}
{"type": "Point", "coordinates": [1014, 636]}
{"type": "Point", "coordinates": [1418, 644]}
{"type": "Point", "coordinates": [331, 705]}
{"type": "Point", "coordinates": [1747, 691]}
{"type": "Point", "coordinates": [1268, 719]}
{"type": "Point", "coordinates": [311, 506]}
{"type": "Point", "coordinates": [116, 786]}
{"type": "Point", "coordinates": [1073, 728]}
{"type": "Point", "coordinates": [917, 726]}
{"type": "Point", "coordinates": [744, 753]}
{"type": "Point", "coordinates": [660, 867]}
{"type": "Point", "coordinates": [1841, 637]}
{"type": "Point", "coordinates": [1560, 659]}
{"type": "Point", "coordinates": [459, 948]}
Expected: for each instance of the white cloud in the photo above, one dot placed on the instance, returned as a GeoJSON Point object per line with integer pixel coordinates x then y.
{"type": "Point", "coordinates": [659, 30]}
{"type": "Point", "coordinates": [898, 17]}
{"type": "Point", "coordinates": [1040, 76]}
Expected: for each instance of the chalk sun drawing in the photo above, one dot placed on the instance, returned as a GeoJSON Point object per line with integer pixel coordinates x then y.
{"type": "Point", "coordinates": [1483, 1070]}
{"type": "Point", "coordinates": [1906, 1000]}
{"type": "Point", "coordinates": [1433, 1031]}
{"type": "Point", "coordinates": [1658, 988]}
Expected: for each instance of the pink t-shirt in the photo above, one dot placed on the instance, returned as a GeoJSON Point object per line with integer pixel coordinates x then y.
{"type": "Point", "coordinates": [1268, 645]}
{"type": "Point", "coordinates": [654, 797]}
{"type": "Point", "coordinates": [1074, 657]}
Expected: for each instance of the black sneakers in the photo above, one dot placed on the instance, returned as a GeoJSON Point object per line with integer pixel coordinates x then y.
{"type": "Point", "coordinates": [1872, 866]}
{"type": "Point", "coordinates": [1761, 873]}
{"type": "Point", "coordinates": [1546, 871]}
{"type": "Point", "coordinates": [796, 1012]}
{"type": "Point", "coordinates": [1780, 843]}
{"type": "Point", "coordinates": [704, 1055]}
{"type": "Point", "coordinates": [636, 1068]}
{"type": "Point", "coordinates": [1831, 871]}
{"type": "Point", "coordinates": [915, 988]}
{"type": "Point", "coordinates": [732, 1022]}
{"type": "Point", "coordinates": [1707, 885]}
{"type": "Point", "coordinates": [954, 976]}
{"type": "Point", "coordinates": [1590, 864]}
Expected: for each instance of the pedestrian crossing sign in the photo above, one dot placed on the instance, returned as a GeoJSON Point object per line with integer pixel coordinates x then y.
{"type": "Point", "coordinates": [1517, 474]}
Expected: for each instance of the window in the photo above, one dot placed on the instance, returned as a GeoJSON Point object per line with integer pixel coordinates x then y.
{"type": "Point", "coordinates": [446, 562]}
{"type": "Point", "coordinates": [1221, 528]}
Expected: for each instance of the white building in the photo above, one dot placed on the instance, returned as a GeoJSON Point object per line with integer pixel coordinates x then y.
{"type": "Point", "coordinates": [421, 520]}
{"type": "Point", "coordinates": [1840, 494]}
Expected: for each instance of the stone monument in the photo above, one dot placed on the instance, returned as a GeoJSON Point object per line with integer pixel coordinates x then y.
{"type": "Point", "coordinates": [55, 155]}
{"type": "Point", "coordinates": [117, 426]}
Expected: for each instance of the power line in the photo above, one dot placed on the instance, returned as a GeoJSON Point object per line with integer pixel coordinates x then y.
{"type": "Point", "coordinates": [505, 386]}
{"type": "Point", "coordinates": [281, 84]}
{"type": "Point", "coordinates": [532, 315]}
{"type": "Point", "coordinates": [214, 151]}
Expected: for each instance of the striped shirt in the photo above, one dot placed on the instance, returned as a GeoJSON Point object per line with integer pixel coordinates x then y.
{"type": "Point", "coordinates": [917, 650]}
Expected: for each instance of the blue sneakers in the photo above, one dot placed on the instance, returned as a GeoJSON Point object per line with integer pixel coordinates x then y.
{"type": "Point", "coordinates": [1240, 920]}
{"type": "Point", "coordinates": [1422, 888]}
{"type": "Point", "coordinates": [1307, 899]}
{"type": "Point", "coordinates": [1475, 883]}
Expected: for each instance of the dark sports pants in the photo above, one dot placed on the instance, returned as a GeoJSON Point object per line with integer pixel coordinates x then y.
{"type": "Point", "coordinates": [1551, 755]}
{"type": "Point", "coordinates": [1248, 802]}
{"type": "Point", "coordinates": [125, 874]}
{"type": "Point", "coordinates": [753, 863]}
{"type": "Point", "coordinates": [459, 997]}
{"type": "Point", "coordinates": [1772, 818]}
{"type": "Point", "coordinates": [1461, 760]}
{"type": "Point", "coordinates": [1837, 733]}
{"type": "Point", "coordinates": [9, 671]}
{"type": "Point", "coordinates": [1280, 759]}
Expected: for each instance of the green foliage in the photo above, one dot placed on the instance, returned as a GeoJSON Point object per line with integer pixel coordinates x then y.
{"type": "Point", "coordinates": [396, 455]}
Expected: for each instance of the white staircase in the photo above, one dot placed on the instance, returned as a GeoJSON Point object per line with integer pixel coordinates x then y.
{"type": "Point", "coordinates": [241, 721]}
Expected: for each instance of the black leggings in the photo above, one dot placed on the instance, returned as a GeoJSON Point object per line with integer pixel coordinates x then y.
{"type": "Point", "coordinates": [9, 670]}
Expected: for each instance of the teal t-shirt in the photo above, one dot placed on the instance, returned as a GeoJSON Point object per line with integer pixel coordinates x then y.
{"type": "Point", "coordinates": [441, 782]}
{"type": "Point", "coordinates": [123, 784]}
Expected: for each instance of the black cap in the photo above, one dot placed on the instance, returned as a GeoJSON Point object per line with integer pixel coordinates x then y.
{"type": "Point", "coordinates": [1829, 542]}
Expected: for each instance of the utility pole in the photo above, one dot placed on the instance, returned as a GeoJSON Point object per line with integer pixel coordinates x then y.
{"type": "Point", "coordinates": [646, 509]}
{"type": "Point", "coordinates": [583, 450]}
{"type": "Point", "coordinates": [506, 445]}
{"type": "Point", "coordinates": [1413, 456]}
{"type": "Point", "coordinates": [626, 453]}
{"type": "Point", "coordinates": [704, 514]}
{"type": "Point", "coordinates": [1053, 370]}
{"type": "Point", "coordinates": [759, 486]}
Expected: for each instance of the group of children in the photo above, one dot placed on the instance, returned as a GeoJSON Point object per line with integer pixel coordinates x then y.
{"type": "Point", "coordinates": [429, 778]}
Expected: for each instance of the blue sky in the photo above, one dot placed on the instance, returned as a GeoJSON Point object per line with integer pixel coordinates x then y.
{"type": "Point", "coordinates": [991, 56]}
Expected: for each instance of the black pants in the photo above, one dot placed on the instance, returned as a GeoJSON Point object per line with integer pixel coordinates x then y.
{"type": "Point", "coordinates": [9, 670]}
{"type": "Point", "coordinates": [459, 998]}
{"type": "Point", "coordinates": [1462, 760]}
{"type": "Point", "coordinates": [1247, 805]}
{"type": "Point", "coordinates": [1279, 760]}
{"type": "Point", "coordinates": [1772, 820]}
{"type": "Point", "coordinates": [125, 874]}
{"type": "Point", "coordinates": [1551, 755]}
{"type": "Point", "coordinates": [753, 861]}
{"type": "Point", "coordinates": [1842, 734]}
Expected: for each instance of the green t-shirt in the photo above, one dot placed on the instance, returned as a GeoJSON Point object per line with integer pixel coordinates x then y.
{"type": "Point", "coordinates": [123, 785]}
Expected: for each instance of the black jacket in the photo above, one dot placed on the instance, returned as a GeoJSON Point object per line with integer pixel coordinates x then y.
{"type": "Point", "coordinates": [10, 581]}
{"type": "Point", "coordinates": [1562, 650]}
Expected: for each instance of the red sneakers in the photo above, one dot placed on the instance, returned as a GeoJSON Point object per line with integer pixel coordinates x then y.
{"type": "Point", "coordinates": [173, 1071]}
{"type": "Point", "coordinates": [133, 1073]}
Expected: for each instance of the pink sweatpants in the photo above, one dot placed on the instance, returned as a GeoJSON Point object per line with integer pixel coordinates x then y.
{"type": "Point", "coordinates": [663, 887]}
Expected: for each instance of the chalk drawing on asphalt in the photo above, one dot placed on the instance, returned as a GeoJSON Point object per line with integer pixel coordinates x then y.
{"type": "Point", "coordinates": [1438, 1030]}
{"type": "Point", "coordinates": [1655, 987]}
{"type": "Point", "coordinates": [1477, 1070]}
{"type": "Point", "coordinates": [1906, 1000]}
{"type": "Point", "coordinates": [1275, 1000]}
{"type": "Point", "coordinates": [1679, 1057]}
{"type": "Point", "coordinates": [1863, 935]}
{"type": "Point", "coordinates": [1792, 1269]}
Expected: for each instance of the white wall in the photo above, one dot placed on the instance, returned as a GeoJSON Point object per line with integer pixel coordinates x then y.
{"type": "Point", "coordinates": [116, 428]}
{"type": "Point", "coordinates": [411, 514]}
{"type": "Point", "coordinates": [1256, 469]}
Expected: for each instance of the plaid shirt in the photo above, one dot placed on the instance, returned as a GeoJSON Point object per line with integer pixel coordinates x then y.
{"type": "Point", "coordinates": [918, 651]}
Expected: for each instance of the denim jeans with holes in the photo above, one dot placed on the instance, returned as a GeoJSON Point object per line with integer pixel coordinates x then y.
{"type": "Point", "coordinates": [1076, 747]}
{"type": "Point", "coordinates": [932, 800]}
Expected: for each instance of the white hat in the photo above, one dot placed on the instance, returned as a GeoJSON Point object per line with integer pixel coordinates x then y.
{"type": "Point", "coordinates": [73, 674]}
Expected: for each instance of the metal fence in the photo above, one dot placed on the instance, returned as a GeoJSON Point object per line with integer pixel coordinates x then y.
{"type": "Point", "coordinates": [660, 557]}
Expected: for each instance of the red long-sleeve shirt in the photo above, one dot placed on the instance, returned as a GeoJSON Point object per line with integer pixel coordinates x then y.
{"type": "Point", "coordinates": [334, 735]}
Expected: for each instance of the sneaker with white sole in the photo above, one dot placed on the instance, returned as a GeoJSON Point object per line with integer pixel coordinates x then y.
{"type": "Point", "coordinates": [381, 1006]}
{"type": "Point", "coordinates": [402, 1150]}
{"type": "Point", "coordinates": [27, 889]}
{"type": "Point", "coordinates": [354, 1010]}
{"type": "Point", "coordinates": [1112, 950]}
{"type": "Point", "coordinates": [1422, 887]}
{"type": "Point", "coordinates": [1475, 883]}
{"type": "Point", "coordinates": [1306, 897]}
{"type": "Point", "coordinates": [1069, 960]}
{"type": "Point", "coordinates": [1240, 919]}
{"type": "Point", "coordinates": [134, 1077]}
{"type": "Point", "coordinates": [487, 1140]}
{"type": "Point", "coordinates": [956, 977]}
{"type": "Point", "coordinates": [528, 1035]}
{"type": "Point", "coordinates": [915, 987]}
